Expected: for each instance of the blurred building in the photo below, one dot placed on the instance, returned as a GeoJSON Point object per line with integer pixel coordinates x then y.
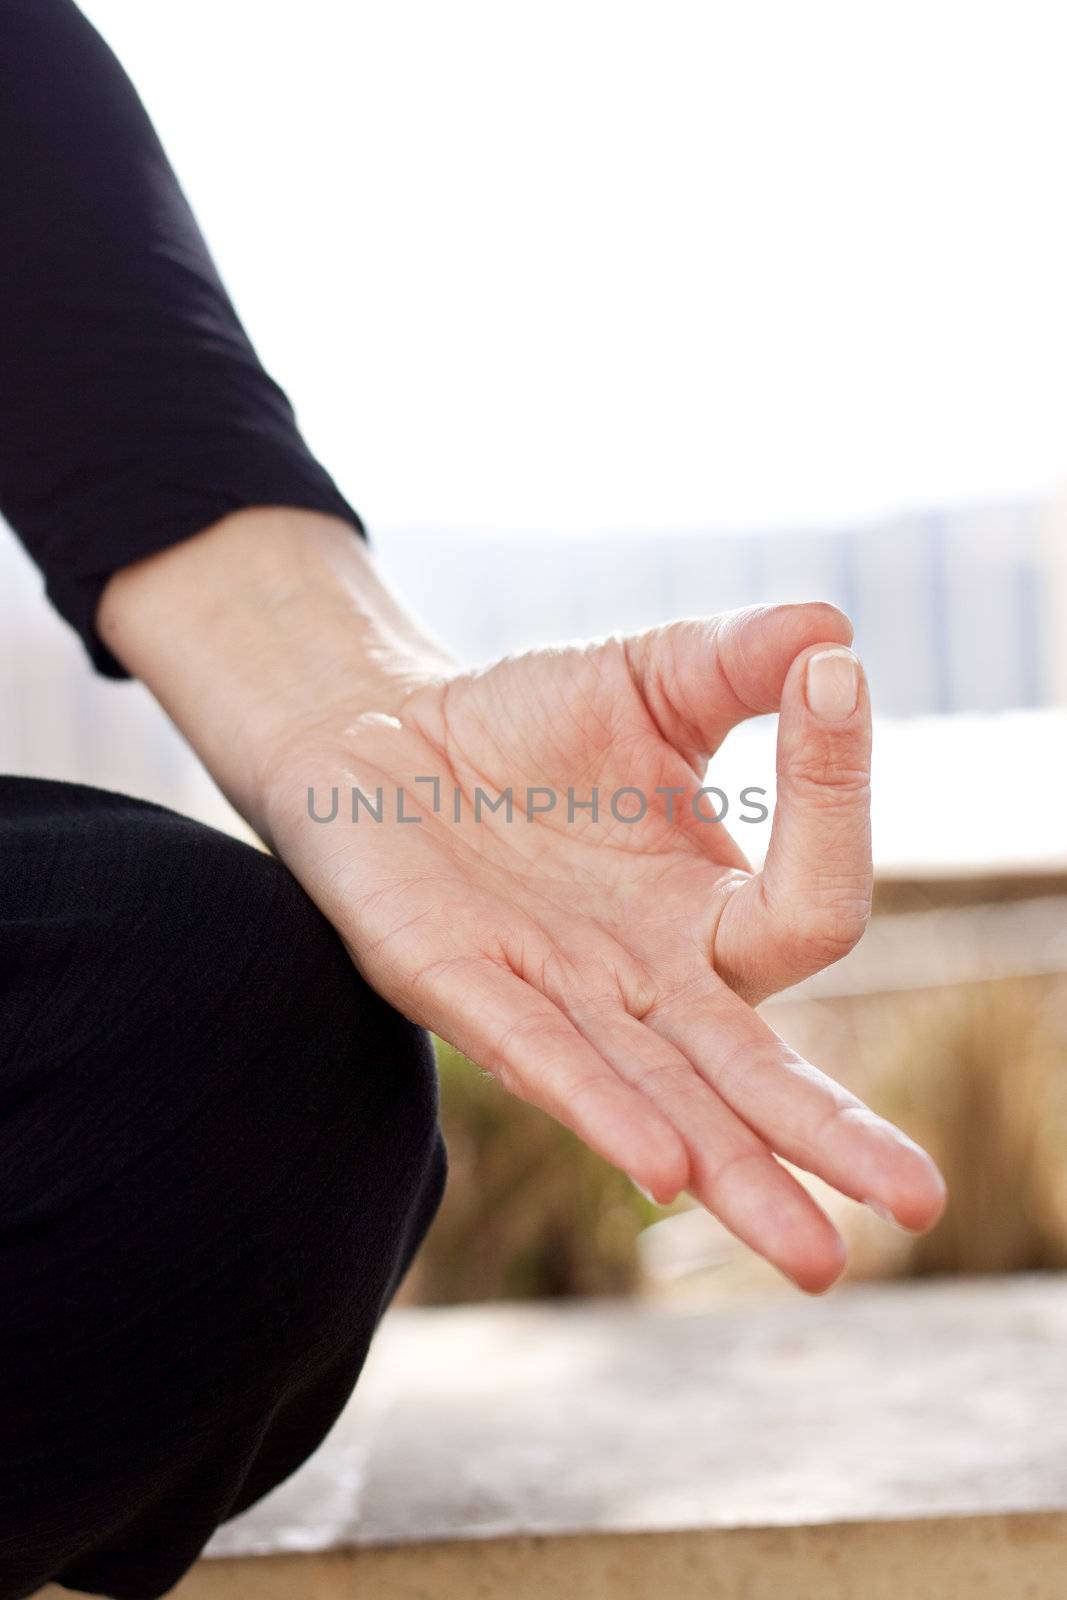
{"type": "Point", "coordinates": [962, 610]}
{"type": "Point", "coordinates": [961, 619]}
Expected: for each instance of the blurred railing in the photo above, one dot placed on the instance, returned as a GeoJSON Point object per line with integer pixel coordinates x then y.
{"type": "Point", "coordinates": [955, 612]}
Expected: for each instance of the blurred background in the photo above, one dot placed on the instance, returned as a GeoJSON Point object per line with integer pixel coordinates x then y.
{"type": "Point", "coordinates": [603, 314]}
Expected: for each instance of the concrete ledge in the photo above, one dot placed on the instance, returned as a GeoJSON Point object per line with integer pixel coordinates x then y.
{"type": "Point", "coordinates": [936, 1559]}
{"type": "Point", "coordinates": [888, 1440]}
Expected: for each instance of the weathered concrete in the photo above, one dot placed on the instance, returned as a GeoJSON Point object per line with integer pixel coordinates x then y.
{"type": "Point", "coordinates": [886, 1440]}
{"type": "Point", "coordinates": [1017, 1558]}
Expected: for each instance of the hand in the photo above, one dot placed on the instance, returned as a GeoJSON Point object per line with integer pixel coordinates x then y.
{"type": "Point", "coordinates": [605, 970]}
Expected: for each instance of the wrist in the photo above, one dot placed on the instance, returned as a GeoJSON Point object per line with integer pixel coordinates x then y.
{"type": "Point", "coordinates": [259, 633]}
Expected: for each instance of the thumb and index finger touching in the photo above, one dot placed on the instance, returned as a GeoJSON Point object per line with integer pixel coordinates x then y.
{"type": "Point", "coordinates": [809, 903]}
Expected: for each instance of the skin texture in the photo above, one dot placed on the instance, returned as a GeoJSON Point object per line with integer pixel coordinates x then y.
{"type": "Point", "coordinates": [605, 972]}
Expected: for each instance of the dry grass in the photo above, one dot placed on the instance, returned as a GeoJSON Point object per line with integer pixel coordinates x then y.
{"type": "Point", "coordinates": [979, 1074]}
{"type": "Point", "coordinates": [530, 1213]}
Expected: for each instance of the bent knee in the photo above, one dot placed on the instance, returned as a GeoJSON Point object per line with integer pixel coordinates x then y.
{"type": "Point", "coordinates": [208, 1046]}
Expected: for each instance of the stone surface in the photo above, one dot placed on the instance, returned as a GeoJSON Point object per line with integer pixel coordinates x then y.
{"type": "Point", "coordinates": [998, 1558]}
{"type": "Point", "coordinates": [874, 1405]}
{"type": "Point", "coordinates": [886, 1441]}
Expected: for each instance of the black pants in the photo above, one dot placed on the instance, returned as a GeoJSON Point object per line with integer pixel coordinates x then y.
{"type": "Point", "coordinates": [219, 1151]}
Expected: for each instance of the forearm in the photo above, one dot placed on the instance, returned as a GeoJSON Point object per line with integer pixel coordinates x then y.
{"type": "Point", "coordinates": [256, 630]}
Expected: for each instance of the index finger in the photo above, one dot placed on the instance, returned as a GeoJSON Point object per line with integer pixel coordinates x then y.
{"type": "Point", "coordinates": [811, 901]}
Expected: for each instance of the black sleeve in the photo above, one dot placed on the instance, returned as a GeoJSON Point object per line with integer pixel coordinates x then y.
{"type": "Point", "coordinates": [133, 409]}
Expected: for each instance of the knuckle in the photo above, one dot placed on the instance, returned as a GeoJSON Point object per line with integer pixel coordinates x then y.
{"type": "Point", "coordinates": [593, 1010]}
{"type": "Point", "coordinates": [505, 1075]}
{"type": "Point", "coordinates": [828, 932]}
{"type": "Point", "coordinates": [669, 1080]}
{"type": "Point", "coordinates": [747, 1057]}
{"type": "Point", "coordinates": [751, 1164]}
{"type": "Point", "coordinates": [581, 1088]}
{"type": "Point", "coordinates": [512, 1039]}
{"type": "Point", "coordinates": [818, 778]}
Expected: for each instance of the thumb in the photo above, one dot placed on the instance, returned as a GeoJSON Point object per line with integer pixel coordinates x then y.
{"type": "Point", "coordinates": [702, 676]}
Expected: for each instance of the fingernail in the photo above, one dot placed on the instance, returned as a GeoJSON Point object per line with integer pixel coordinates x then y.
{"type": "Point", "coordinates": [832, 684]}
{"type": "Point", "coordinates": [641, 1190]}
{"type": "Point", "coordinates": [886, 1215]}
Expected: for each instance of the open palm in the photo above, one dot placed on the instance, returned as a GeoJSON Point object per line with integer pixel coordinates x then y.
{"type": "Point", "coordinates": [604, 966]}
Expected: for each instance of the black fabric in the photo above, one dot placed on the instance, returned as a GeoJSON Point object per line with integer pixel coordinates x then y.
{"type": "Point", "coordinates": [218, 1152]}
{"type": "Point", "coordinates": [133, 409]}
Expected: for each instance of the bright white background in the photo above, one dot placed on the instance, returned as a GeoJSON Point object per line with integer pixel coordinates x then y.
{"type": "Point", "coordinates": [592, 265]}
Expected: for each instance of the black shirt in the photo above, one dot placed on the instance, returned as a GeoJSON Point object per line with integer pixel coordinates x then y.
{"type": "Point", "coordinates": [133, 409]}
